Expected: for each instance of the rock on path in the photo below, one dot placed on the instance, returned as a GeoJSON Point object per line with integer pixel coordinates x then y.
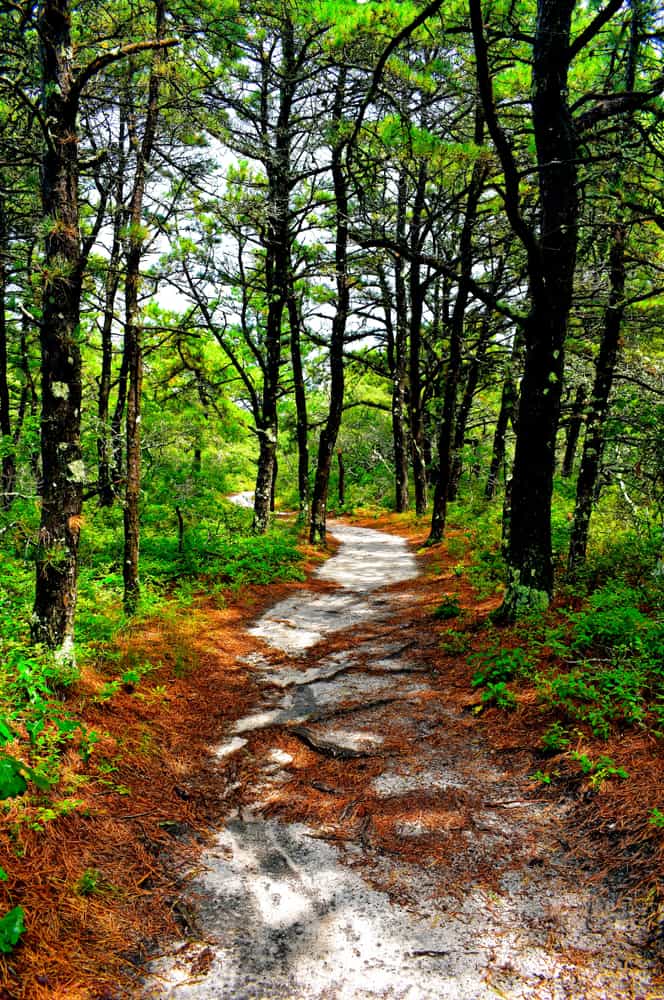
{"type": "Point", "coordinates": [285, 915]}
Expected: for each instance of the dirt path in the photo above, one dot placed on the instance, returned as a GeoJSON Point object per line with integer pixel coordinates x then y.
{"type": "Point", "coordinates": [374, 846]}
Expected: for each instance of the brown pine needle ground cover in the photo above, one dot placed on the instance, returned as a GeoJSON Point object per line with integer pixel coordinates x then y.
{"type": "Point", "coordinates": [103, 886]}
{"type": "Point", "coordinates": [610, 821]}
{"type": "Point", "coordinates": [100, 886]}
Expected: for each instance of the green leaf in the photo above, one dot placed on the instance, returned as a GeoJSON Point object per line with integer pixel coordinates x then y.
{"type": "Point", "coordinates": [12, 782]}
{"type": "Point", "coordinates": [6, 732]}
{"type": "Point", "coordinates": [14, 776]}
{"type": "Point", "coordinates": [11, 928]}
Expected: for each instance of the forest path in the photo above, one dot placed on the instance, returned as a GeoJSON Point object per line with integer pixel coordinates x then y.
{"type": "Point", "coordinates": [374, 846]}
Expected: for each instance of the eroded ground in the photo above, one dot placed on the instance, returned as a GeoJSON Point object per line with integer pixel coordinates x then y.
{"type": "Point", "coordinates": [373, 845]}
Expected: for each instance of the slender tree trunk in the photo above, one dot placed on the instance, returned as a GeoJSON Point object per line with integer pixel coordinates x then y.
{"type": "Point", "coordinates": [507, 402]}
{"type": "Point", "coordinates": [134, 334]}
{"type": "Point", "coordinates": [29, 401]}
{"type": "Point", "coordinates": [573, 431]}
{"type": "Point", "coordinates": [330, 431]}
{"type": "Point", "coordinates": [399, 376]}
{"type": "Point", "coordinates": [415, 405]}
{"type": "Point", "coordinates": [8, 459]}
{"type": "Point", "coordinates": [104, 433]}
{"type": "Point", "coordinates": [277, 256]}
{"type": "Point", "coordinates": [63, 473]}
{"type": "Point", "coordinates": [591, 458]}
{"type": "Point", "coordinates": [300, 403]}
{"type": "Point", "coordinates": [446, 432]}
{"type": "Point", "coordinates": [341, 489]}
{"type": "Point", "coordinates": [468, 395]}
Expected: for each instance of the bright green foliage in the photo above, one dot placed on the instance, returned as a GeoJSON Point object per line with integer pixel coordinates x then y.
{"type": "Point", "coordinates": [449, 608]}
{"type": "Point", "coordinates": [599, 770]}
{"type": "Point", "coordinates": [555, 738]}
{"type": "Point", "coordinates": [499, 694]}
{"type": "Point", "coordinates": [11, 928]}
{"type": "Point", "coordinates": [496, 664]}
{"type": "Point", "coordinates": [14, 777]}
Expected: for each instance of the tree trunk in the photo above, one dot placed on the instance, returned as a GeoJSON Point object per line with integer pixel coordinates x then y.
{"type": "Point", "coordinates": [63, 473]}
{"type": "Point", "coordinates": [134, 333]}
{"type": "Point", "coordinates": [277, 276]}
{"type": "Point", "coordinates": [507, 401]}
{"type": "Point", "coordinates": [8, 459]}
{"type": "Point", "coordinates": [300, 403]}
{"type": "Point", "coordinates": [341, 490]}
{"type": "Point", "coordinates": [573, 431]}
{"type": "Point", "coordinates": [446, 432]}
{"type": "Point", "coordinates": [330, 431]}
{"type": "Point", "coordinates": [593, 445]}
{"type": "Point", "coordinates": [551, 260]}
{"type": "Point", "coordinates": [470, 385]}
{"type": "Point", "coordinates": [104, 432]}
{"type": "Point", "coordinates": [415, 405]}
{"type": "Point", "coordinates": [399, 382]}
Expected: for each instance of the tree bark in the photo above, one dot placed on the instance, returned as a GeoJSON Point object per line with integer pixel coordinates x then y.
{"type": "Point", "coordinates": [300, 402]}
{"type": "Point", "coordinates": [8, 459]}
{"type": "Point", "coordinates": [551, 257]}
{"type": "Point", "coordinates": [399, 366]}
{"type": "Point", "coordinates": [573, 431]}
{"type": "Point", "coordinates": [341, 489]}
{"type": "Point", "coordinates": [446, 431]}
{"type": "Point", "coordinates": [104, 432]}
{"type": "Point", "coordinates": [591, 458]}
{"type": "Point", "coordinates": [415, 403]}
{"type": "Point", "coordinates": [63, 473]}
{"type": "Point", "coordinates": [277, 256]}
{"type": "Point", "coordinates": [330, 431]}
{"type": "Point", "coordinates": [134, 334]}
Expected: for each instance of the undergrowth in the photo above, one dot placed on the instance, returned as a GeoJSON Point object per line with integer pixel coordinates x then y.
{"type": "Point", "coordinates": [42, 705]}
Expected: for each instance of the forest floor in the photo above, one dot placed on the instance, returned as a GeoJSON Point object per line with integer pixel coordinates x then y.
{"type": "Point", "coordinates": [319, 811]}
{"type": "Point", "coordinates": [375, 843]}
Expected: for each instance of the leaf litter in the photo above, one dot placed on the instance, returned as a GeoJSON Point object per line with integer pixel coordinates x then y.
{"type": "Point", "coordinates": [378, 845]}
{"type": "Point", "coordinates": [425, 865]}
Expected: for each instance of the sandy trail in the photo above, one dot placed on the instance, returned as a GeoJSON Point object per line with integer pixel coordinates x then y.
{"type": "Point", "coordinates": [451, 879]}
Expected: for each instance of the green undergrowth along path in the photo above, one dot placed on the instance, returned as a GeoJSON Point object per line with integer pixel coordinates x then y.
{"type": "Point", "coordinates": [42, 704]}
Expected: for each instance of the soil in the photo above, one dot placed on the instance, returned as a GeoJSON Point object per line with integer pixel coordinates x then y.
{"type": "Point", "coordinates": [302, 801]}
{"type": "Point", "coordinates": [374, 843]}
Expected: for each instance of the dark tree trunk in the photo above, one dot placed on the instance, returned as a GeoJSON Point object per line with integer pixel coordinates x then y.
{"type": "Point", "coordinates": [300, 403]}
{"type": "Point", "coordinates": [341, 490]}
{"type": "Point", "coordinates": [277, 256]}
{"type": "Point", "coordinates": [330, 431]}
{"type": "Point", "coordinates": [63, 474]}
{"type": "Point", "coordinates": [507, 402]}
{"type": "Point", "coordinates": [415, 405]}
{"type": "Point", "coordinates": [104, 433]}
{"type": "Point", "coordinates": [573, 431]}
{"type": "Point", "coordinates": [446, 431]}
{"type": "Point", "coordinates": [273, 493]}
{"type": "Point", "coordinates": [8, 459]}
{"type": "Point", "coordinates": [29, 400]}
{"type": "Point", "coordinates": [461, 422]}
{"type": "Point", "coordinates": [551, 259]}
{"type": "Point", "coordinates": [399, 368]}
{"type": "Point", "coordinates": [591, 458]}
{"type": "Point", "coordinates": [134, 334]}
{"type": "Point", "coordinates": [117, 424]}
{"type": "Point", "coordinates": [470, 386]}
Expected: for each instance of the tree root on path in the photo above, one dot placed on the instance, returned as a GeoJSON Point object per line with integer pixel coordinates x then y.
{"type": "Point", "coordinates": [328, 749]}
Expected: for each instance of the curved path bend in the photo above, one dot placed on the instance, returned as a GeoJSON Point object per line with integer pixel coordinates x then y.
{"type": "Point", "coordinates": [452, 882]}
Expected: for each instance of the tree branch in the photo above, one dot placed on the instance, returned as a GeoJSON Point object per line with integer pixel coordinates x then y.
{"type": "Point", "coordinates": [113, 55]}
{"type": "Point", "coordinates": [593, 28]}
